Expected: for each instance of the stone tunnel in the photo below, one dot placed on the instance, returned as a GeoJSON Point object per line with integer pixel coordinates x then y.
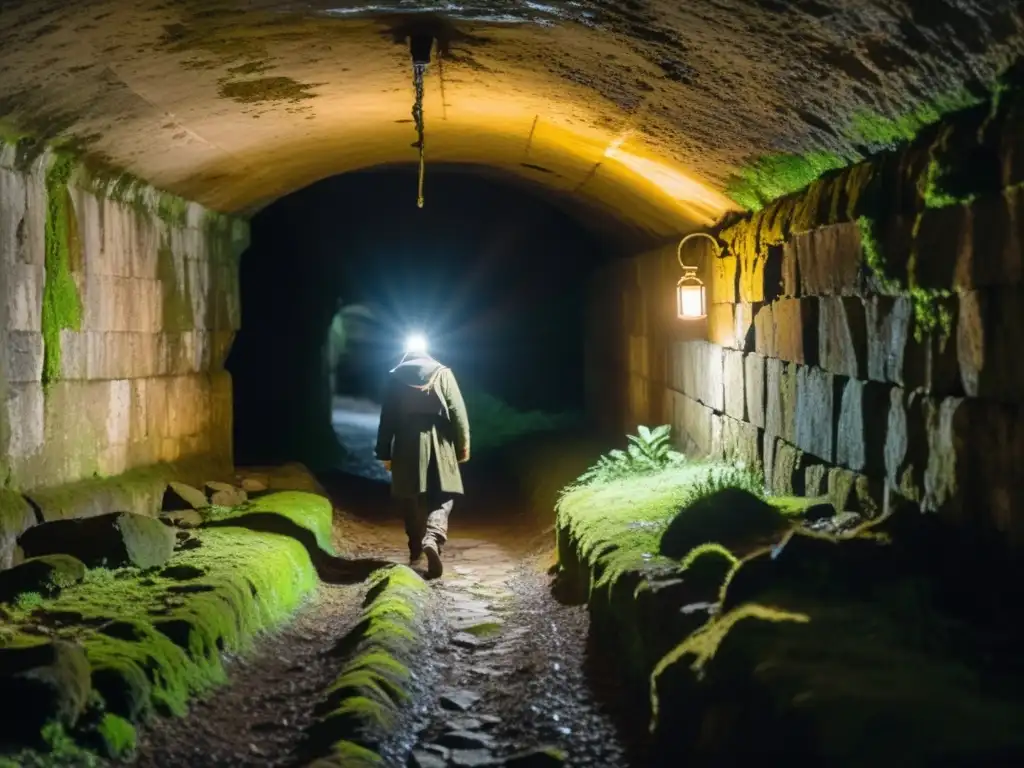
{"type": "Point", "coordinates": [851, 173]}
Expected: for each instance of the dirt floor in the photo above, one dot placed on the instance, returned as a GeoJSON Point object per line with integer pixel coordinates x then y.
{"type": "Point", "coordinates": [532, 681]}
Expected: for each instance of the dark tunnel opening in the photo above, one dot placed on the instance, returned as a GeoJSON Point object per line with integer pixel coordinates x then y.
{"type": "Point", "coordinates": [339, 273]}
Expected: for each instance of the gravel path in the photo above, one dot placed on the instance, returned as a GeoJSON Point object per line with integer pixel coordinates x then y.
{"type": "Point", "coordinates": [517, 670]}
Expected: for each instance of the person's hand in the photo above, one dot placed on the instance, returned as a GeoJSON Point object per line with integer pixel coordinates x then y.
{"type": "Point", "coordinates": [387, 466]}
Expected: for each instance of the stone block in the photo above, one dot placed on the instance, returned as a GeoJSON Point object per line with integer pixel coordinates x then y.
{"type": "Point", "coordinates": [790, 273]}
{"type": "Point", "coordinates": [842, 336]}
{"type": "Point", "coordinates": [994, 257]}
{"type": "Point", "coordinates": [733, 375]}
{"type": "Point", "coordinates": [796, 330]}
{"type": "Point", "coordinates": [853, 492]}
{"type": "Point", "coordinates": [24, 405]}
{"type": "Point", "coordinates": [722, 325]}
{"type": "Point", "coordinates": [943, 240]}
{"type": "Point", "coordinates": [781, 398]}
{"type": "Point", "coordinates": [751, 277]}
{"type": "Point", "coordinates": [787, 470]}
{"type": "Point", "coordinates": [23, 296]}
{"type": "Point", "coordinates": [988, 343]}
{"type": "Point", "coordinates": [724, 280]}
{"type": "Point", "coordinates": [110, 540]}
{"type": "Point", "coordinates": [701, 372]}
{"type": "Point", "coordinates": [741, 441]}
{"type": "Point", "coordinates": [816, 480]}
{"type": "Point", "coordinates": [829, 260]}
{"type": "Point", "coordinates": [863, 417]}
{"type": "Point", "coordinates": [764, 332]}
{"type": "Point", "coordinates": [889, 321]}
{"type": "Point", "coordinates": [815, 417]}
{"type": "Point", "coordinates": [754, 384]}
{"type": "Point", "coordinates": [639, 362]}
{"type": "Point", "coordinates": [906, 443]}
{"type": "Point", "coordinates": [695, 425]}
{"type": "Point", "coordinates": [23, 356]}
{"type": "Point", "coordinates": [14, 213]}
{"type": "Point", "coordinates": [744, 320]}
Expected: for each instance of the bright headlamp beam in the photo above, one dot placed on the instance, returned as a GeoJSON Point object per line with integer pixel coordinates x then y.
{"type": "Point", "coordinates": [415, 343]}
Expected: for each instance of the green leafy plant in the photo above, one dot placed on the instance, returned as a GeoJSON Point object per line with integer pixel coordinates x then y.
{"type": "Point", "coordinates": [649, 451]}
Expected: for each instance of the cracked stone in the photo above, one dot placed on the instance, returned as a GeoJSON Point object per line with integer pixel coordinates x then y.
{"type": "Point", "coordinates": [463, 724]}
{"type": "Point", "coordinates": [466, 640]}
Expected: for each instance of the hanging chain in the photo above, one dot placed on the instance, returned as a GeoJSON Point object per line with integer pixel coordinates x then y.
{"type": "Point", "coordinates": [417, 114]}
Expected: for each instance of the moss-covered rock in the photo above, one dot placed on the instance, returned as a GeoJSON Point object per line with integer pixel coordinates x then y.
{"type": "Point", "coordinates": [375, 685]}
{"type": "Point", "coordinates": [288, 512]}
{"type": "Point", "coordinates": [153, 640]}
{"type": "Point", "coordinates": [117, 737]}
{"type": "Point", "coordinates": [46, 575]}
{"type": "Point", "coordinates": [16, 517]}
{"type": "Point", "coordinates": [732, 517]}
{"type": "Point", "coordinates": [44, 681]}
{"type": "Point", "coordinates": [113, 540]}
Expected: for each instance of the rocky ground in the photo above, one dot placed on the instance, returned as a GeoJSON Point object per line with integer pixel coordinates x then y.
{"type": "Point", "coordinates": [517, 674]}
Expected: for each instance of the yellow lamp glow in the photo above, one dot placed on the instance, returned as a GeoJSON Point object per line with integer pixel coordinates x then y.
{"type": "Point", "coordinates": [690, 298]}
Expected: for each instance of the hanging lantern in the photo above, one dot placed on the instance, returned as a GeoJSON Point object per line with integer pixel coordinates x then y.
{"type": "Point", "coordinates": [691, 295]}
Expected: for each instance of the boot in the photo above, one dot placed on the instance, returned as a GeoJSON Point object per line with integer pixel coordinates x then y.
{"type": "Point", "coordinates": [415, 553]}
{"type": "Point", "coordinates": [434, 566]}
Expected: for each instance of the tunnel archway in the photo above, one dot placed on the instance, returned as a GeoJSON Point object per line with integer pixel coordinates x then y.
{"type": "Point", "coordinates": [492, 271]}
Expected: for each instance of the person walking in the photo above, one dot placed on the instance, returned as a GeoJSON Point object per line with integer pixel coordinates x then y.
{"type": "Point", "coordinates": [422, 439]}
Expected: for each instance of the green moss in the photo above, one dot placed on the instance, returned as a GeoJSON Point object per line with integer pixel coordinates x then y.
{"type": "Point", "coordinates": [178, 314]}
{"type": "Point", "coordinates": [154, 641]}
{"type": "Point", "coordinates": [772, 176]}
{"type": "Point", "coordinates": [374, 683]}
{"type": "Point", "coordinates": [873, 255]}
{"type": "Point", "coordinates": [710, 549]}
{"type": "Point", "coordinates": [118, 735]}
{"type": "Point", "coordinates": [62, 306]}
{"type": "Point", "coordinates": [267, 89]}
{"type": "Point", "coordinates": [352, 755]}
{"type": "Point", "coordinates": [700, 647]}
{"type": "Point", "coordinates": [881, 132]}
{"type": "Point", "coordinates": [307, 510]}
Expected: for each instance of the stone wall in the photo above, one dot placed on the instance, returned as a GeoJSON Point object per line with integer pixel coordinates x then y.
{"type": "Point", "coordinates": [862, 336]}
{"type": "Point", "coordinates": [118, 305]}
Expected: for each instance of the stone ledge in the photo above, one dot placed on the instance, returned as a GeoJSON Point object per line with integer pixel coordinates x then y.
{"type": "Point", "coordinates": [377, 686]}
{"type": "Point", "coordinates": [151, 643]}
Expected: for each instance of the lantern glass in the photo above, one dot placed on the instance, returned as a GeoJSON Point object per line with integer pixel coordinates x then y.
{"type": "Point", "coordinates": [690, 299]}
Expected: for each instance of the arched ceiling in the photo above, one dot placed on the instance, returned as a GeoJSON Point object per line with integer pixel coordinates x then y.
{"type": "Point", "coordinates": [641, 108]}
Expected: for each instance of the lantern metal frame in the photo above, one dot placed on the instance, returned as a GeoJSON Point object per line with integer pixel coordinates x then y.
{"type": "Point", "coordinates": [690, 277]}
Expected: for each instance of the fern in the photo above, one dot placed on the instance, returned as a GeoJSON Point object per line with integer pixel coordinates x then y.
{"type": "Point", "coordinates": [647, 452]}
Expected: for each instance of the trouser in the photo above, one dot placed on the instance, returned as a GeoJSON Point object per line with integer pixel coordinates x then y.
{"type": "Point", "coordinates": [426, 516]}
{"type": "Point", "coordinates": [426, 520]}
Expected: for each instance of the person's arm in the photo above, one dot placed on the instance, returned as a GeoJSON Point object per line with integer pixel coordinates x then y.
{"type": "Point", "coordinates": [387, 427]}
{"type": "Point", "coordinates": [457, 413]}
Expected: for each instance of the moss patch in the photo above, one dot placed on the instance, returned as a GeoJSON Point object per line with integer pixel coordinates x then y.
{"type": "Point", "coordinates": [154, 640]}
{"type": "Point", "coordinates": [267, 89]}
{"type": "Point", "coordinates": [368, 696]}
{"type": "Point", "coordinates": [308, 511]}
{"type": "Point", "coordinates": [62, 306]}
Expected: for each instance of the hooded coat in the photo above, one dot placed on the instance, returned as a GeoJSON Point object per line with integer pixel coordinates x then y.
{"type": "Point", "coordinates": [423, 416]}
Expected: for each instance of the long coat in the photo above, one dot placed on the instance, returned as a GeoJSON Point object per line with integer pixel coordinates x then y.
{"type": "Point", "coordinates": [423, 416]}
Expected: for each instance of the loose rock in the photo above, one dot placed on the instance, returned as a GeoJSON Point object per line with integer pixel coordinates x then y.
{"type": "Point", "coordinates": [46, 575]}
{"type": "Point", "coordinates": [113, 540]}
{"type": "Point", "coordinates": [179, 497]}
{"type": "Point", "coordinates": [473, 758]}
{"type": "Point", "coordinates": [542, 757]}
{"type": "Point", "coordinates": [225, 494]}
{"type": "Point", "coordinates": [254, 485]}
{"type": "Point", "coordinates": [459, 700]}
{"type": "Point", "coordinates": [465, 740]}
{"type": "Point", "coordinates": [423, 759]}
